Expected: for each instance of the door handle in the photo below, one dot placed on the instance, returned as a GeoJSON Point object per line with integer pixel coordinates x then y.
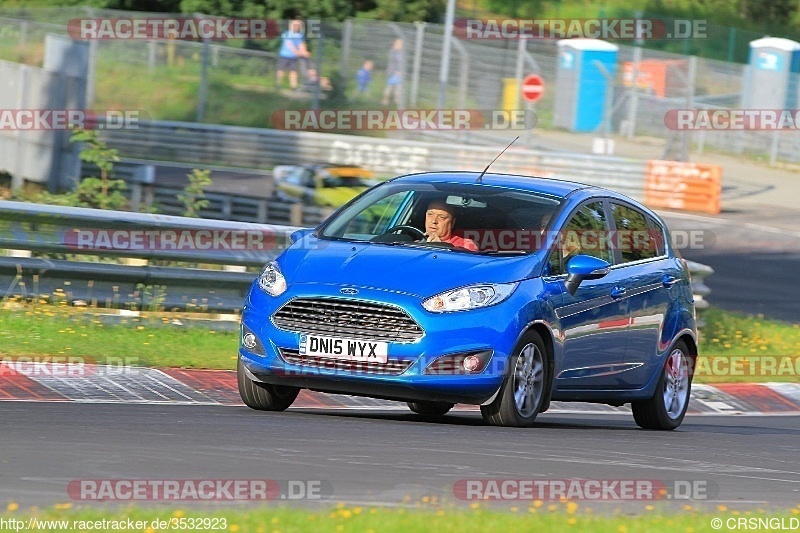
{"type": "Point", "coordinates": [668, 281]}
{"type": "Point", "coordinates": [618, 292]}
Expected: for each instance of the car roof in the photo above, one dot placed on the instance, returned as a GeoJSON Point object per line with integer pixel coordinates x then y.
{"type": "Point", "coordinates": [551, 187]}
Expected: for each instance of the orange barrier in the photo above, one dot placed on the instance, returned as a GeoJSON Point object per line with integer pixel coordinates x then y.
{"type": "Point", "coordinates": [687, 186]}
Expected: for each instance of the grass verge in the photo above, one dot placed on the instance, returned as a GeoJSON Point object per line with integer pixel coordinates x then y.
{"type": "Point", "coordinates": [554, 517]}
{"type": "Point", "coordinates": [39, 330]}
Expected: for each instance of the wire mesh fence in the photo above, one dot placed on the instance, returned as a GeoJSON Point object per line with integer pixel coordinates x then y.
{"type": "Point", "coordinates": [235, 82]}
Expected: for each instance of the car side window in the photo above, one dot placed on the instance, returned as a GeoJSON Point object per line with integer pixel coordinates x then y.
{"type": "Point", "coordinates": [657, 231]}
{"type": "Point", "coordinates": [584, 234]}
{"type": "Point", "coordinates": [633, 238]}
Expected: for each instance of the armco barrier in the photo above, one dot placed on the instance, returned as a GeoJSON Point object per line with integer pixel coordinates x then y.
{"type": "Point", "coordinates": [200, 144]}
{"type": "Point", "coordinates": [29, 228]}
{"type": "Point", "coordinates": [685, 186]}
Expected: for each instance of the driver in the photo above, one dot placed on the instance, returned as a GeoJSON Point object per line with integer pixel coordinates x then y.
{"type": "Point", "coordinates": [439, 222]}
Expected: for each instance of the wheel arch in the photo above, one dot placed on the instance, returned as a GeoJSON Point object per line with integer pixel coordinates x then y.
{"type": "Point", "coordinates": [546, 334]}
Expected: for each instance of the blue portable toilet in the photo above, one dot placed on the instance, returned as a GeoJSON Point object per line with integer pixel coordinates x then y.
{"type": "Point", "coordinates": [771, 79]}
{"type": "Point", "coordinates": [581, 86]}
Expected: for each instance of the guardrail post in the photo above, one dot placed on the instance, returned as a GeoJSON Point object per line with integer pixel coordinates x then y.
{"type": "Point", "coordinates": [136, 196]}
{"type": "Point", "coordinates": [700, 290]}
{"type": "Point", "coordinates": [261, 216]}
{"type": "Point", "coordinates": [296, 215]}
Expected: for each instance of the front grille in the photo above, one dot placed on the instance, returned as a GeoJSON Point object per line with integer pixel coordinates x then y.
{"type": "Point", "coordinates": [392, 367]}
{"type": "Point", "coordinates": [353, 319]}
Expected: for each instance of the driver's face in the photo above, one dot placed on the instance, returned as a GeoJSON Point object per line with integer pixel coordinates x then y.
{"type": "Point", "coordinates": [438, 222]}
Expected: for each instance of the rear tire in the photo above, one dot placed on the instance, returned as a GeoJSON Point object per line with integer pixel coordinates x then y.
{"type": "Point", "coordinates": [430, 408]}
{"type": "Point", "coordinates": [666, 409]}
{"type": "Point", "coordinates": [522, 394]}
{"type": "Point", "coordinates": [263, 396]}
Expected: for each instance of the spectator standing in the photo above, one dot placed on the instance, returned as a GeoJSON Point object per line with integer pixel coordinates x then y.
{"type": "Point", "coordinates": [363, 78]}
{"type": "Point", "coordinates": [394, 73]}
{"type": "Point", "coordinates": [293, 50]}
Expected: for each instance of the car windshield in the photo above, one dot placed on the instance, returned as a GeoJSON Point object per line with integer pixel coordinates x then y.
{"type": "Point", "coordinates": [494, 219]}
{"type": "Point", "coordinates": [346, 181]}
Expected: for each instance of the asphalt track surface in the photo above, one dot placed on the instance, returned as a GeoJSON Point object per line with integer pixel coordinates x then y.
{"type": "Point", "coordinates": [388, 458]}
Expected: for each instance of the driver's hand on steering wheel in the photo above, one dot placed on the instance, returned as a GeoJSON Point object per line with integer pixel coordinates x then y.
{"type": "Point", "coordinates": [432, 237]}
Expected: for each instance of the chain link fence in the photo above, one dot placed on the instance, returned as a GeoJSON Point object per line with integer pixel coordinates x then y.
{"type": "Point", "coordinates": [235, 82]}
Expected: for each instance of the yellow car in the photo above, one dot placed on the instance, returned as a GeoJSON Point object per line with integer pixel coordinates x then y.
{"type": "Point", "coordinates": [323, 185]}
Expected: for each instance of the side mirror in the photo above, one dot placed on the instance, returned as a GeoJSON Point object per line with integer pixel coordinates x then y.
{"type": "Point", "coordinates": [581, 267]}
{"type": "Point", "coordinates": [299, 234]}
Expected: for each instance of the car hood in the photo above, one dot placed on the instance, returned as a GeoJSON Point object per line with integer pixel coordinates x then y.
{"type": "Point", "coordinates": [337, 196]}
{"type": "Point", "coordinates": [415, 270]}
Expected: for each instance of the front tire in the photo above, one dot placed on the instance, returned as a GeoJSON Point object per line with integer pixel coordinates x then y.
{"type": "Point", "coordinates": [263, 396]}
{"type": "Point", "coordinates": [522, 394]}
{"type": "Point", "coordinates": [666, 409]}
{"type": "Point", "coordinates": [430, 408]}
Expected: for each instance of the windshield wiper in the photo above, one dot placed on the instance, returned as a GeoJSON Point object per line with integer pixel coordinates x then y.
{"type": "Point", "coordinates": [506, 252]}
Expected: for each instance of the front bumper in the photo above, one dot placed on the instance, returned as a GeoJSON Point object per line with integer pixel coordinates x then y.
{"type": "Point", "coordinates": [493, 329]}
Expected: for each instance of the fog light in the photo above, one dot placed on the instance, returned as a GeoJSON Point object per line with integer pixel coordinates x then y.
{"type": "Point", "coordinates": [471, 363]}
{"type": "Point", "coordinates": [249, 341]}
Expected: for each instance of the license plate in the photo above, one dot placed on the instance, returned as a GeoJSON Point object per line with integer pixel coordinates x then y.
{"type": "Point", "coordinates": [348, 349]}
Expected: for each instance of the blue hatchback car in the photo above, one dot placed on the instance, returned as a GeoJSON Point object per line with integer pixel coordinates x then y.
{"type": "Point", "coordinates": [496, 290]}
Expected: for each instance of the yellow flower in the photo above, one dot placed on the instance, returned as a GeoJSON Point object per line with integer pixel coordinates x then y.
{"type": "Point", "coordinates": [178, 513]}
{"type": "Point", "coordinates": [648, 507]}
{"type": "Point", "coordinates": [622, 529]}
{"type": "Point", "coordinates": [234, 528]}
{"type": "Point", "coordinates": [572, 521]}
{"type": "Point", "coordinates": [66, 505]}
{"type": "Point", "coordinates": [537, 503]}
{"type": "Point", "coordinates": [687, 507]}
{"type": "Point", "coordinates": [722, 508]}
{"type": "Point", "coordinates": [13, 506]}
{"type": "Point", "coordinates": [275, 520]}
{"type": "Point", "coordinates": [571, 507]}
{"type": "Point", "coordinates": [474, 505]}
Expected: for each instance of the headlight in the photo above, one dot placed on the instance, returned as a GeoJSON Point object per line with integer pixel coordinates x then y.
{"type": "Point", "coordinates": [271, 280]}
{"type": "Point", "coordinates": [469, 297]}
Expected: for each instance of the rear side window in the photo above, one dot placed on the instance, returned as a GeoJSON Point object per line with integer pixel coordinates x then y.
{"type": "Point", "coordinates": [634, 239]}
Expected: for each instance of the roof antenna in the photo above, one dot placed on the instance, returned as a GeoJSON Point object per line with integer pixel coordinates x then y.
{"type": "Point", "coordinates": [480, 178]}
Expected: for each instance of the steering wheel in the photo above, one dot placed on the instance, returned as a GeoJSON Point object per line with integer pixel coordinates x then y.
{"type": "Point", "coordinates": [404, 227]}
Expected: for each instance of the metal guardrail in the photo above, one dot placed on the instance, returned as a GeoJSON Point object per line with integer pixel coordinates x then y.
{"type": "Point", "coordinates": [29, 228]}
{"type": "Point", "coordinates": [144, 191]}
{"type": "Point", "coordinates": [264, 148]}
{"type": "Point", "coordinates": [61, 232]}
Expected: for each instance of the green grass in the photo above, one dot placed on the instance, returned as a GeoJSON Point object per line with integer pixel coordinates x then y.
{"type": "Point", "coordinates": [36, 329]}
{"type": "Point", "coordinates": [64, 333]}
{"type": "Point", "coordinates": [527, 516]}
{"type": "Point", "coordinates": [754, 342]}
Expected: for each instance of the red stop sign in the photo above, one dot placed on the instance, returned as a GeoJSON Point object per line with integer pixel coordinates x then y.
{"type": "Point", "coordinates": [532, 88]}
